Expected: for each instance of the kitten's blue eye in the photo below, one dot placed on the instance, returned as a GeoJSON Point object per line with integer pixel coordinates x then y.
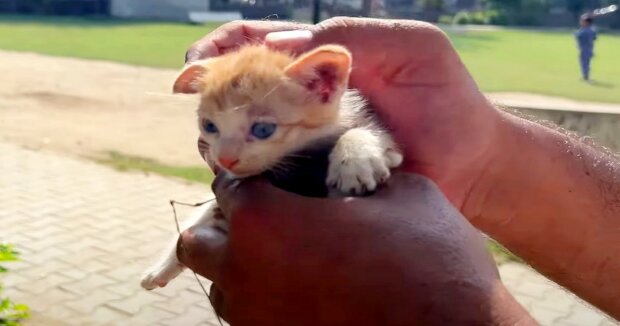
{"type": "Point", "coordinates": [209, 127]}
{"type": "Point", "coordinates": [263, 130]}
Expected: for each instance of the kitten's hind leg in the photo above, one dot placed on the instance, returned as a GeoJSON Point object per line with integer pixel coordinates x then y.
{"type": "Point", "coordinates": [169, 266]}
{"type": "Point", "coordinates": [361, 161]}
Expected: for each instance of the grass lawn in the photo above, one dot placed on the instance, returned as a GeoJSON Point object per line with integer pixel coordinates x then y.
{"type": "Point", "coordinates": [540, 62]}
{"type": "Point", "coordinates": [504, 60]}
{"type": "Point", "coordinates": [123, 162]}
{"type": "Point", "coordinates": [156, 44]}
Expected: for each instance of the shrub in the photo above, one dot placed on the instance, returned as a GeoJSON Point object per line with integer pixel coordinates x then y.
{"type": "Point", "coordinates": [496, 17]}
{"type": "Point", "coordinates": [461, 18]}
{"type": "Point", "coordinates": [445, 19]}
{"type": "Point", "coordinates": [10, 313]}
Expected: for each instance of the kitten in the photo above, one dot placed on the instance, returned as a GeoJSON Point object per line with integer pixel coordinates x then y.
{"type": "Point", "coordinates": [292, 119]}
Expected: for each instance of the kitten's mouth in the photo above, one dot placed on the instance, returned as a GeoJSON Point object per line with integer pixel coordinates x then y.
{"type": "Point", "coordinates": [237, 173]}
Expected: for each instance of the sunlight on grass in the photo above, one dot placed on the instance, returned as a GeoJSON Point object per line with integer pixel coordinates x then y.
{"type": "Point", "coordinates": [156, 44]}
{"type": "Point", "coordinates": [541, 63]}
{"type": "Point", "coordinates": [124, 162]}
{"type": "Point", "coordinates": [501, 254]}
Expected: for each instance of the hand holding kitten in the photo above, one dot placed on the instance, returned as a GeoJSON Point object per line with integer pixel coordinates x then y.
{"type": "Point", "coordinates": [414, 80]}
{"type": "Point", "coordinates": [399, 257]}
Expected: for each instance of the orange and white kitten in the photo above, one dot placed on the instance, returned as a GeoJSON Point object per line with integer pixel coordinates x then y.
{"type": "Point", "coordinates": [292, 119]}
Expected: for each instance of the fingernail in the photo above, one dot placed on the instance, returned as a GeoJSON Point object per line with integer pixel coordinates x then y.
{"type": "Point", "coordinates": [288, 37]}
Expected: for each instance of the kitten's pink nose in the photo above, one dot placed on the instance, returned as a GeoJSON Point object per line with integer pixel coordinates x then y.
{"type": "Point", "coordinates": [228, 162]}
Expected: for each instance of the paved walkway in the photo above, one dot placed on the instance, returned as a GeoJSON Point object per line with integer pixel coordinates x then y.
{"type": "Point", "coordinates": [86, 232]}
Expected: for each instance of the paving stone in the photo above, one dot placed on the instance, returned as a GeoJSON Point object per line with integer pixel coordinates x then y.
{"type": "Point", "coordinates": [146, 316]}
{"type": "Point", "coordinates": [55, 315]}
{"type": "Point", "coordinates": [51, 298]}
{"type": "Point", "coordinates": [546, 316]}
{"type": "Point", "coordinates": [183, 301]}
{"type": "Point", "coordinates": [134, 303]}
{"type": "Point", "coordinates": [86, 304]}
{"type": "Point", "coordinates": [104, 316]}
{"type": "Point", "coordinates": [88, 284]}
{"type": "Point", "coordinates": [535, 289]}
{"type": "Point", "coordinates": [583, 315]}
{"type": "Point", "coordinates": [193, 316]}
{"type": "Point", "coordinates": [559, 300]}
{"type": "Point", "coordinates": [42, 285]}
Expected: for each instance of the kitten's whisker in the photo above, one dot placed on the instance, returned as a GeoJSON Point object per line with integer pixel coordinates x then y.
{"type": "Point", "coordinates": [240, 107]}
{"type": "Point", "coordinates": [271, 91]}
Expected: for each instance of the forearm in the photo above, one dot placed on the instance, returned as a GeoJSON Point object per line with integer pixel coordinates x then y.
{"type": "Point", "coordinates": [555, 202]}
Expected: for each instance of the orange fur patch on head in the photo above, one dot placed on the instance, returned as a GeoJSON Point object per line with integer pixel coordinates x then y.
{"type": "Point", "coordinates": [243, 76]}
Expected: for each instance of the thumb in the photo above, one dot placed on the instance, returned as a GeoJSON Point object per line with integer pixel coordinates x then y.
{"type": "Point", "coordinates": [201, 248]}
{"type": "Point", "coordinates": [249, 194]}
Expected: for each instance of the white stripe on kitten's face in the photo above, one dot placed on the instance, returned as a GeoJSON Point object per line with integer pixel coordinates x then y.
{"type": "Point", "coordinates": [259, 105]}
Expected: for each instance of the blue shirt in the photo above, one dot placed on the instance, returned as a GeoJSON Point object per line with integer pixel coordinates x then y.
{"type": "Point", "coordinates": [585, 39]}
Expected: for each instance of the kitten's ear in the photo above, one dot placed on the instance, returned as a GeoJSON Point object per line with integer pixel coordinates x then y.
{"type": "Point", "coordinates": [324, 71]}
{"type": "Point", "coordinates": [187, 81]}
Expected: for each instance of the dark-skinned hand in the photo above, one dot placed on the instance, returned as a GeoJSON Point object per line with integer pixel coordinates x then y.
{"type": "Point", "coordinates": [404, 256]}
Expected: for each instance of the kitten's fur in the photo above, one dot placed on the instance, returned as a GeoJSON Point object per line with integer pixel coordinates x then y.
{"type": "Point", "coordinates": [326, 139]}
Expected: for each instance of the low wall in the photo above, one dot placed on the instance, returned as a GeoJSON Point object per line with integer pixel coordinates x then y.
{"type": "Point", "coordinates": [157, 9]}
{"type": "Point", "coordinates": [603, 127]}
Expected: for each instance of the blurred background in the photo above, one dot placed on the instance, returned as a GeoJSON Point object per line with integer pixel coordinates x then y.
{"type": "Point", "coordinates": [93, 144]}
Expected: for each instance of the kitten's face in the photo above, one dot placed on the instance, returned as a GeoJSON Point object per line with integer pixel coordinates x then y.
{"type": "Point", "coordinates": [257, 106]}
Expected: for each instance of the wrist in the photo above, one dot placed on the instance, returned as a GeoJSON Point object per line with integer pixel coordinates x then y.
{"type": "Point", "coordinates": [511, 161]}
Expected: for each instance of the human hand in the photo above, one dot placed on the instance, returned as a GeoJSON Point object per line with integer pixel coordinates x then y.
{"type": "Point", "coordinates": [403, 256]}
{"type": "Point", "coordinates": [415, 80]}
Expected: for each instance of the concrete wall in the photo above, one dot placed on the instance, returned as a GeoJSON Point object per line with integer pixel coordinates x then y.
{"type": "Point", "coordinates": [157, 9]}
{"type": "Point", "coordinates": [603, 127]}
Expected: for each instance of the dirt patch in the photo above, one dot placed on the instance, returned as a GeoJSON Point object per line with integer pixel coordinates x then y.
{"type": "Point", "coordinates": [83, 107]}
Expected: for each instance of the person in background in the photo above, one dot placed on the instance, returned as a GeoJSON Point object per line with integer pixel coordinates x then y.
{"type": "Point", "coordinates": [586, 35]}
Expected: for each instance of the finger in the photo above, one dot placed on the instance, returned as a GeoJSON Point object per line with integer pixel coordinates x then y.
{"type": "Point", "coordinates": [201, 248]}
{"type": "Point", "coordinates": [216, 296]}
{"type": "Point", "coordinates": [233, 194]}
{"type": "Point", "coordinates": [231, 35]}
{"type": "Point", "coordinates": [295, 41]}
{"type": "Point", "coordinates": [401, 184]}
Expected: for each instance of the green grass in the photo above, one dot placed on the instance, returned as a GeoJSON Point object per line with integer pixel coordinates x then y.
{"type": "Point", "coordinates": [501, 254]}
{"type": "Point", "coordinates": [504, 60]}
{"type": "Point", "coordinates": [540, 62]}
{"type": "Point", "coordinates": [124, 162]}
{"type": "Point", "coordinates": [156, 44]}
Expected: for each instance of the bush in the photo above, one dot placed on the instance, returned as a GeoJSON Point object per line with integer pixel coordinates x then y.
{"type": "Point", "coordinates": [475, 18]}
{"type": "Point", "coordinates": [461, 18]}
{"type": "Point", "coordinates": [478, 18]}
{"type": "Point", "coordinates": [445, 19]}
{"type": "Point", "coordinates": [517, 12]}
{"type": "Point", "coordinates": [10, 313]}
{"type": "Point", "coordinates": [497, 18]}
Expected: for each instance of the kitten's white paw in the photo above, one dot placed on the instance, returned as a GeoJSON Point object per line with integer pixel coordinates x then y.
{"type": "Point", "coordinates": [160, 275]}
{"type": "Point", "coordinates": [360, 172]}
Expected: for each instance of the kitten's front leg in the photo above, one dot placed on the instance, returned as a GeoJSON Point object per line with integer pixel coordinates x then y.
{"type": "Point", "coordinates": [169, 266]}
{"type": "Point", "coordinates": [361, 160]}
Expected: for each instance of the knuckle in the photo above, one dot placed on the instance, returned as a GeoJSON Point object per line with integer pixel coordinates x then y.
{"type": "Point", "coordinates": [232, 25]}
{"type": "Point", "coordinates": [336, 23]}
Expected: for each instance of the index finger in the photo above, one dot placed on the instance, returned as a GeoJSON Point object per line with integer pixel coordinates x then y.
{"type": "Point", "coordinates": [234, 34]}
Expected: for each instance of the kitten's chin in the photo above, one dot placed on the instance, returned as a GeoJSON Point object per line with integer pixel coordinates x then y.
{"type": "Point", "coordinates": [242, 173]}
